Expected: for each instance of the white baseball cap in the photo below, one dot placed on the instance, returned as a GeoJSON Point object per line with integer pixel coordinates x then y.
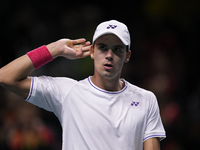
{"type": "Point", "coordinates": [113, 27]}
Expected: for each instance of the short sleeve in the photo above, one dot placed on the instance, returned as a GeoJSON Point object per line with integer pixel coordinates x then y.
{"type": "Point", "coordinates": [154, 126]}
{"type": "Point", "coordinates": [49, 93]}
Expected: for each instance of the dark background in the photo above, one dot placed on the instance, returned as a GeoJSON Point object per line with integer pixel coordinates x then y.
{"type": "Point", "coordinates": [165, 59]}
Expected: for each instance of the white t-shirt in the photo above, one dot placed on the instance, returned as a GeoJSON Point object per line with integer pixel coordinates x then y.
{"type": "Point", "coordinates": [95, 119]}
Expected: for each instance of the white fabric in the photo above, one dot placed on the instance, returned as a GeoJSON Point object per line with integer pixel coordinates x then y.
{"type": "Point", "coordinates": [95, 119]}
{"type": "Point", "coordinates": [113, 27]}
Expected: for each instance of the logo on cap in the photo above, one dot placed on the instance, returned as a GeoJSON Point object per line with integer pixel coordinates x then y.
{"type": "Point", "coordinates": [111, 26]}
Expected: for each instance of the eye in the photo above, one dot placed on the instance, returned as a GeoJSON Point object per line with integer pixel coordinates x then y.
{"type": "Point", "coordinates": [102, 47]}
{"type": "Point", "coordinates": [118, 50]}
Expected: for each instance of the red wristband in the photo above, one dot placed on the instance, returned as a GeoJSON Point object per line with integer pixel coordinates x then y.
{"type": "Point", "coordinates": [40, 56]}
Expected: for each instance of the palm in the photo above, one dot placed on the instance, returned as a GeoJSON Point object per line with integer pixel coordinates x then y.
{"type": "Point", "coordinates": [77, 49]}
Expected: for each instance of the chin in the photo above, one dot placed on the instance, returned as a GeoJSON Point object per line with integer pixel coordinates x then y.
{"type": "Point", "coordinates": [107, 74]}
{"type": "Point", "coordinates": [110, 76]}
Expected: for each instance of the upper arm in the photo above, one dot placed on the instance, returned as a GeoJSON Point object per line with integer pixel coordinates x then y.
{"type": "Point", "coordinates": [20, 88]}
{"type": "Point", "coordinates": [23, 91]}
{"type": "Point", "coordinates": [152, 144]}
{"type": "Point", "coordinates": [14, 76]}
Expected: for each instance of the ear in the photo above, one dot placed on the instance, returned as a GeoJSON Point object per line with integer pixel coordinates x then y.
{"type": "Point", "coordinates": [128, 55]}
{"type": "Point", "coordinates": [92, 52]}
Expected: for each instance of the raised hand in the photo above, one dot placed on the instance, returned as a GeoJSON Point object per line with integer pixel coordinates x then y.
{"type": "Point", "coordinates": [70, 49]}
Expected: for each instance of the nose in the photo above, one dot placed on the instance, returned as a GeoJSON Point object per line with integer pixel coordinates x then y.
{"type": "Point", "coordinates": [109, 55]}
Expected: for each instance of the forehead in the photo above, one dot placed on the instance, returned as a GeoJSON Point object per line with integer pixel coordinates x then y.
{"type": "Point", "coordinates": [109, 39]}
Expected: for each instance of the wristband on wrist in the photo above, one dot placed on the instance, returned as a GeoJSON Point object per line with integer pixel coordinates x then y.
{"type": "Point", "coordinates": [40, 56]}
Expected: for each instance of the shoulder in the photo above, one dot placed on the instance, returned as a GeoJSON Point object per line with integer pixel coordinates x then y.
{"type": "Point", "coordinates": [49, 79]}
{"type": "Point", "coordinates": [140, 91]}
{"type": "Point", "coordinates": [49, 82]}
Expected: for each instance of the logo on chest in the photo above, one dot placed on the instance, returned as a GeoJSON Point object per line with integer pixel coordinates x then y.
{"type": "Point", "coordinates": [134, 103]}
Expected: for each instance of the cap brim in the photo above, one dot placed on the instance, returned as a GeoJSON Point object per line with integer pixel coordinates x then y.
{"type": "Point", "coordinates": [109, 32]}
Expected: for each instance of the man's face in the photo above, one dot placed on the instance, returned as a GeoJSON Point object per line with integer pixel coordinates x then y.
{"type": "Point", "coordinates": [109, 54]}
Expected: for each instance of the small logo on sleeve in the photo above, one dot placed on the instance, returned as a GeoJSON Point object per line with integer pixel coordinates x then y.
{"type": "Point", "coordinates": [134, 103]}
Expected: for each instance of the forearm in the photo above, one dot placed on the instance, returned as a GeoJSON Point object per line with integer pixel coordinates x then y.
{"type": "Point", "coordinates": [14, 76]}
{"type": "Point", "coordinates": [152, 144]}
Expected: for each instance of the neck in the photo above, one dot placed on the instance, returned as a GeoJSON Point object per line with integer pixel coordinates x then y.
{"type": "Point", "coordinates": [108, 84]}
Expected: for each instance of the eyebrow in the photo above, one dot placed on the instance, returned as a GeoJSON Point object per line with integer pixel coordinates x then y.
{"type": "Point", "coordinates": [102, 44]}
{"type": "Point", "coordinates": [121, 46]}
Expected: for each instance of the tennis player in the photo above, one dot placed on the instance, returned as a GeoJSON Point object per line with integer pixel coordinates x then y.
{"type": "Point", "coordinates": [101, 112]}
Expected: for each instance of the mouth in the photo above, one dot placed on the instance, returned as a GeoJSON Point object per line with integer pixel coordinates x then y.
{"type": "Point", "coordinates": [108, 66]}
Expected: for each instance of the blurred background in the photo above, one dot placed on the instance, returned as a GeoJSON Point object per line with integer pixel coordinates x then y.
{"type": "Point", "coordinates": [165, 59]}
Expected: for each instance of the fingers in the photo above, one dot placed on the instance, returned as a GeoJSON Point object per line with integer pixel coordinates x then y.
{"type": "Point", "coordinates": [77, 48]}
{"type": "Point", "coordinates": [81, 42]}
{"type": "Point", "coordinates": [83, 51]}
{"type": "Point", "coordinates": [82, 47]}
{"type": "Point", "coordinates": [78, 41]}
{"type": "Point", "coordinates": [85, 54]}
{"type": "Point", "coordinates": [86, 48]}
